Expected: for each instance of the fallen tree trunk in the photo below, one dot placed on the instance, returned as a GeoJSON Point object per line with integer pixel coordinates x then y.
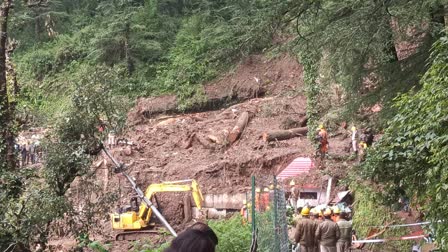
{"type": "Point", "coordinates": [284, 134]}
{"type": "Point", "coordinates": [239, 127]}
{"type": "Point", "coordinates": [216, 98]}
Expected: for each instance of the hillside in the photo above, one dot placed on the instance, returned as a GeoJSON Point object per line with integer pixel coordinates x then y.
{"type": "Point", "coordinates": [178, 81]}
{"type": "Point", "coordinates": [170, 147]}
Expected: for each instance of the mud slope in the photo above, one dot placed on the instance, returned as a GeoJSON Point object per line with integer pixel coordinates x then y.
{"type": "Point", "coordinates": [168, 147]}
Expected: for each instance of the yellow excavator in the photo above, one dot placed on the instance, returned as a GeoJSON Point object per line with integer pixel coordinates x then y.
{"type": "Point", "coordinates": [134, 220]}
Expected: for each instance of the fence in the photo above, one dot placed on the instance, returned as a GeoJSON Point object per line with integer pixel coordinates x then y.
{"type": "Point", "coordinates": [268, 215]}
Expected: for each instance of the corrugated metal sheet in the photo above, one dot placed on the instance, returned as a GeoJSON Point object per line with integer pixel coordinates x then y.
{"type": "Point", "coordinates": [297, 166]}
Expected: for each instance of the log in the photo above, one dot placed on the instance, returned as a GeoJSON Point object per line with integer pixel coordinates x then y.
{"type": "Point", "coordinates": [284, 134]}
{"type": "Point", "coordinates": [241, 124]}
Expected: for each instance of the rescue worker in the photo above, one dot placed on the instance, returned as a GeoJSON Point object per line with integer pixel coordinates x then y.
{"type": "Point", "coordinates": [243, 212]}
{"type": "Point", "coordinates": [345, 228]}
{"type": "Point", "coordinates": [362, 151]}
{"type": "Point", "coordinates": [368, 137]}
{"type": "Point", "coordinates": [313, 214]}
{"type": "Point", "coordinates": [305, 232]}
{"type": "Point", "coordinates": [322, 138]}
{"type": "Point", "coordinates": [327, 233]}
{"type": "Point", "coordinates": [320, 216]}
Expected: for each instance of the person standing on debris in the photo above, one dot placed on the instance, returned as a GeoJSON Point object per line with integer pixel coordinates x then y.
{"type": "Point", "coordinates": [362, 151]}
{"type": "Point", "coordinates": [367, 137]}
{"type": "Point", "coordinates": [354, 140]}
{"type": "Point", "coordinates": [322, 138]}
{"type": "Point", "coordinates": [32, 153]}
{"type": "Point", "coordinates": [23, 153]}
{"type": "Point", "coordinates": [345, 227]}
{"type": "Point", "coordinates": [327, 233]}
{"type": "Point", "coordinates": [305, 232]}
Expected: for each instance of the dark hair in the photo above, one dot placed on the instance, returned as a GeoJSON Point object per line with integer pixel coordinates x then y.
{"type": "Point", "coordinates": [205, 229]}
{"type": "Point", "coordinates": [192, 240]}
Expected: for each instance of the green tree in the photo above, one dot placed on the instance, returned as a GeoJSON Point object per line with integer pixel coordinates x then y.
{"type": "Point", "coordinates": [412, 154]}
{"type": "Point", "coordinates": [357, 44]}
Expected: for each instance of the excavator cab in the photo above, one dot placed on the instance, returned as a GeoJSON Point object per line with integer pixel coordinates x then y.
{"type": "Point", "coordinates": [133, 206]}
{"type": "Point", "coordinates": [134, 217]}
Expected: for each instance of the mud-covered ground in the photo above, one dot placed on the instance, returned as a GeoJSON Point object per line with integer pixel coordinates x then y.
{"type": "Point", "coordinates": [195, 146]}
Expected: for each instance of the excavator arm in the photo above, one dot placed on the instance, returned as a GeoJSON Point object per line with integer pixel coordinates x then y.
{"type": "Point", "coordinates": [120, 168]}
{"type": "Point", "coordinates": [171, 186]}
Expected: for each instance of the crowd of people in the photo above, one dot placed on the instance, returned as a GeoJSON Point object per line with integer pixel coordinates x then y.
{"type": "Point", "coordinates": [323, 231]}
{"type": "Point", "coordinates": [29, 152]}
{"type": "Point", "coordinates": [360, 141]}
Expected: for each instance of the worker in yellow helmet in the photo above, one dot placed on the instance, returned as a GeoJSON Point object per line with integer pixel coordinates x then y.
{"type": "Point", "coordinates": [322, 139]}
{"type": "Point", "coordinates": [327, 233]}
{"type": "Point", "coordinates": [345, 228]}
{"type": "Point", "coordinates": [305, 231]}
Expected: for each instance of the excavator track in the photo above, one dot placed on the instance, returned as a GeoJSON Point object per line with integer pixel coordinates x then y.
{"type": "Point", "coordinates": [136, 235]}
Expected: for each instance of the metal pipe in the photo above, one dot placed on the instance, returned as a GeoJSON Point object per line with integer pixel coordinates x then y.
{"type": "Point", "coordinates": [140, 194]}
{"type": "Point", "coordinates": [329, 190]}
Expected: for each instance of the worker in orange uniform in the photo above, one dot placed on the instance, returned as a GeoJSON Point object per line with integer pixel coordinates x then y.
{"type": "Point", "coordinates": [243, 212]}
{"type": "Point", "coordinates": [322, 138]}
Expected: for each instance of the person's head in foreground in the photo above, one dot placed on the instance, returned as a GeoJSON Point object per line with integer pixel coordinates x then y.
{"type": "Point", "coordinates": [197, 238]}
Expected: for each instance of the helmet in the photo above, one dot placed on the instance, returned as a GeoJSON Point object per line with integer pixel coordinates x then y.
{"type": "Point", "coordinates": [244, 202]}
{"type": "Point", "coordinates": [257, 189]}
{"type": "Point", "coordinates": [266, 189]}
{"type": "Point", "coordinates": [313, 212]}
{"type": "Point", "coordinates": [319, 212]}
{"type": "Point", "coordinates": [292, 182]}
{"type": "Point", "coordinates": [363, 145]}
{"type": "Point", "coordinates": [336, 210]}
{"type": "Point", "coordinates": [353, 128]}
{"type": "Point", "coordinates": [305, 211]}
{"type": "Point", "coordinates": [271, 187]}
{"type": "Point", "coordinates": [327, 212]}
{"type": "Point", "coordinates": [321, 126]}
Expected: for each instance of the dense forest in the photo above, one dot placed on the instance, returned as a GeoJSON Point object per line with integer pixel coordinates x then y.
{"type": "Point", "coordinates": [71, 63]}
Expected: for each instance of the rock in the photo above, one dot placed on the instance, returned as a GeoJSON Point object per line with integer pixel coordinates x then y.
{"type": "Point", "coordinates": [127, 150]}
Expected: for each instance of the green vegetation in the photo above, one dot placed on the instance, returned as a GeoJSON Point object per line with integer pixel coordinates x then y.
{"type": "Point", "coordinates": [233, 236]}
{"type": "Point", "coordinates": [352, 44]}
{"type": "Point", "coordinates": [79, 62]}
{"type": "Point", "coordinates": [155, 46]}
{"type": "Point", "coordinates": [411, 157]}
{"type": "Point", "coordinates": [369, 213]}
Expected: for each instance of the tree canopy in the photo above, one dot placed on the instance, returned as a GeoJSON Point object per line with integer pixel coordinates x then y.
{"type": "Point", "coordinates": [412, 155]}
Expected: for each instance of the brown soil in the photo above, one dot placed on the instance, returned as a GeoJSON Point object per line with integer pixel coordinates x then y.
{"type": "Point", "coordinates": [177, 147]}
